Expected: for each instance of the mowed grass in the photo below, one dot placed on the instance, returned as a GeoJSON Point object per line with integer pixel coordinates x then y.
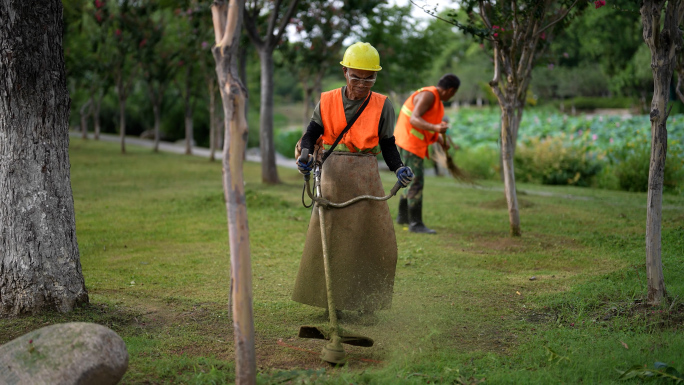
{"type": "Point", "coordinates": [564, 303]}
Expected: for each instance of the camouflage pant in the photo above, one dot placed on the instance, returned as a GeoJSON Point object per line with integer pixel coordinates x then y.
{"type": "Point", "coordinates": [414, 191]}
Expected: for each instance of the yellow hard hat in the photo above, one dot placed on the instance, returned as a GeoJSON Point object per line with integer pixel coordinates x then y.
{"type": "Point", "coordinates": [361, 56]}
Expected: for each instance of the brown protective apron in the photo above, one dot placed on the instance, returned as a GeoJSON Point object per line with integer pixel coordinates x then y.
{"type": "Point", "coordinates": [361, 241]}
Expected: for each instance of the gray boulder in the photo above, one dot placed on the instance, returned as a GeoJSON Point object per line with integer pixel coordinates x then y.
{"type": "Point", "coordinates": [73, 353]}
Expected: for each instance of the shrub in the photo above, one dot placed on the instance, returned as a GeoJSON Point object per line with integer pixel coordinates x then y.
{"type": "Point", "coordinates": [552, 161]}
{"type": "Point", "coordinates": [479, 162]}
{"type": "Point", "coordinates": [285, 142]}
{"type": "Point", "coordinates": [632, 170]}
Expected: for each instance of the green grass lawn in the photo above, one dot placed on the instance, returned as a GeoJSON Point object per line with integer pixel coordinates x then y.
{"type": "Point", "coordinates": [154, 248]}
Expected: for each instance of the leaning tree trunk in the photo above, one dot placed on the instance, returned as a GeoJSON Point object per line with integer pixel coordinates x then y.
{"type": "Point", "coordinates": [269, 172]}
{"type": "Point", "coordinates": [40, 266]}
{"type": "Point", "coordinates": [227, 20]}
{"type": "Point", "coordinates": [664, 45]}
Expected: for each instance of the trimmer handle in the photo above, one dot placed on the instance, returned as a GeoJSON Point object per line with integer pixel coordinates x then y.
{"type": "Point", "coordinates": [304, 156]}
{"type": "Point", "coordinates": [395, 189]}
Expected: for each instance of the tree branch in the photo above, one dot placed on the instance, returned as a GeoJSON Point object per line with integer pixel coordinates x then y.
{"type": "Point", "coordinates": [272, 21]}
{"type": "Point", "coordinates": [218, 17]}
{"type": "Point", "coordinates": [567, 11]}
{"type": "Point", "coordinates": [432, 13]}
{"type": "Point", "coordinates": [250, 27]}
{"type": "Point", "coordinates": [286, 20]}
{"type": "Point", "coordinates": [231, 21]}
{"type": "Point", "coordinates": [483, 15]}
{"type": "Point", "coordinates": [514, 5]}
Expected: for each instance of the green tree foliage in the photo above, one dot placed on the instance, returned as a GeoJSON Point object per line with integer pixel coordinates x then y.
{"type": "Point", "coordinates": [614, 50]}
{"type": "Point", "coordinates": [407, 47]}
{"type": "Point", "coordinates": [321, 28]}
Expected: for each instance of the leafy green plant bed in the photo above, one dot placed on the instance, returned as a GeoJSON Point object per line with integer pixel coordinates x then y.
{"type": "Point", "coordinates": [564, 303]}
{"type": "Point", "coordinates": [602, 151]}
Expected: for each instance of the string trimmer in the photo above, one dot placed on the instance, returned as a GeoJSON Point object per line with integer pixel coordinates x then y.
{"type": "Point", "coordinates": [333, 352]}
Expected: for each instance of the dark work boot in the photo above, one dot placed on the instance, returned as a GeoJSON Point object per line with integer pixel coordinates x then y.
{"type": "Point", "coordinates": [403, 216]}
{"type": "Point", "coordinates": [416, 220]}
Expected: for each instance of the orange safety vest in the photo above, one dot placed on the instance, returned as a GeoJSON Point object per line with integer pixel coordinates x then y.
{"type": "Point", "coordinates": [412, 139]}
{"type": "Point", "coordinates": [363, 135]}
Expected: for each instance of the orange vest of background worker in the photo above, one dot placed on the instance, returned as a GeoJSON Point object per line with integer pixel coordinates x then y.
{"type": "Point", "coordinates": [419, 125]}
{"type": "Point", "coordinates": [412, 139]}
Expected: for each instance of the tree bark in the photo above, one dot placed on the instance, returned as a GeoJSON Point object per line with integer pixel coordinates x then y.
{"type": "Point", "coordinates": [227, 24]}
{"type": "Point", "coordinates": [507, 155]}
{"type": "Point", "coordinates": [510, 121]}
{"type": "Point", "coordinates": [242, 70]}
{"type": "Point", "coordinates": [269, 172]}
{"type": "Point", "coordinates": [40, 265]}
{"type": "Point", "coordinates": [663, 45]}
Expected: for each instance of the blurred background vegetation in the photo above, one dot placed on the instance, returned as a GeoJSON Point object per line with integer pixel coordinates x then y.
{"type": "Point", "coordinates": [585, 122]}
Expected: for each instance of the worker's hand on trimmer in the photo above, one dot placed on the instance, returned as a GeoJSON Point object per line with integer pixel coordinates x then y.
{"type": "Point", "coordinates": [305, 168]}
{"type": "Point", "coordinates": [404, 175]}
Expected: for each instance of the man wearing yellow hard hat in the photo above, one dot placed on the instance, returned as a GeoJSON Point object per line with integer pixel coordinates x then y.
{"type": "Point", "coordinates": [360, 238]}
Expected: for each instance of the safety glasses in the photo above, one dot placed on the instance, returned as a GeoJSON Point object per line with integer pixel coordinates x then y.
{"type": "Point", "coordinates": [354, 80]}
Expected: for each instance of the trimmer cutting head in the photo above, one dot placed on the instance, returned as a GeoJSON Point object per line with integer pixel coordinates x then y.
{"type": "Point", "coordinates": [334, 354]}
{"type": "Point", "coordinates": [345, 337]}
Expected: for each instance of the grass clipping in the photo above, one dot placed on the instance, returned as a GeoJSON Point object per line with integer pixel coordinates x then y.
{"type": "Point", "coordinates": [445, 160]}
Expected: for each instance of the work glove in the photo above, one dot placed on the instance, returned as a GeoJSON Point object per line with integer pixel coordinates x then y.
{"type": "Point", "coordinates": [305, 168]}
{"type": "Point", "coordinates": [404, 175]}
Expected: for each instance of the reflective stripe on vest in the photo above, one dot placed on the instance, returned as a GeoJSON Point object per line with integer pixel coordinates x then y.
{"type": "Point", "coordinates": [363, 135]}
{"type": "Point", "coordinates": [412, 139]}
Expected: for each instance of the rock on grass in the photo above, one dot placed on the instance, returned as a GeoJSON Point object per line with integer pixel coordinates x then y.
{"type": "Point", "coordinates": [71, 353]}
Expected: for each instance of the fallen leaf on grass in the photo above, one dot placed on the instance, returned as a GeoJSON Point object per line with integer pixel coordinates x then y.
{"type": "Point", "coordinates": [625, 345]}
{"type": "Point", "coordinates": [517, 292]}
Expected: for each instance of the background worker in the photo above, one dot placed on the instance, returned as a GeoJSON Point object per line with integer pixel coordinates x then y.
{"type": "Point", "coordinates": [360, 237]}
{"type": "Point", "coordinates": [419, 125]}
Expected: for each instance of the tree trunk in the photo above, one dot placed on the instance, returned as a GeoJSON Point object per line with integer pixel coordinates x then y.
{"type": "Point", "coordinates": [40, 265]}
{"type": "Point", "coordinates": [508, 171]}
{"type": "Point", "coordinates": [308, 90]}
{"type": "Point", "coordinates": [233, 94]}
{"type": "Point", "coordinates": [122, 112]}
{"type": "Point", "coordinates": [212, 119]}
{"type": "Point", "coordinates": [84, 118]}
{"type": "Point", "coordinates": [664, 45]}
{"type": "Point", "coordinates": [188, 130]}
{"type": "Point", "coordinates": [96, 116]}
{"type": "Point", "coordinates": [156, 107]}
{"type": "Point", "coordinates": [269, 172]}
{"type": "Point", "coordinates": [242, 70]}
{"type": "Point", "coordinates": [188, 110]}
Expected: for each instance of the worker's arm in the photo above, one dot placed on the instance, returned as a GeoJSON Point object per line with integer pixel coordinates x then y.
{"type": "Point", "coordinates": [422, 103]}
{"type": "Point", "coordinates": [313, 132]}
